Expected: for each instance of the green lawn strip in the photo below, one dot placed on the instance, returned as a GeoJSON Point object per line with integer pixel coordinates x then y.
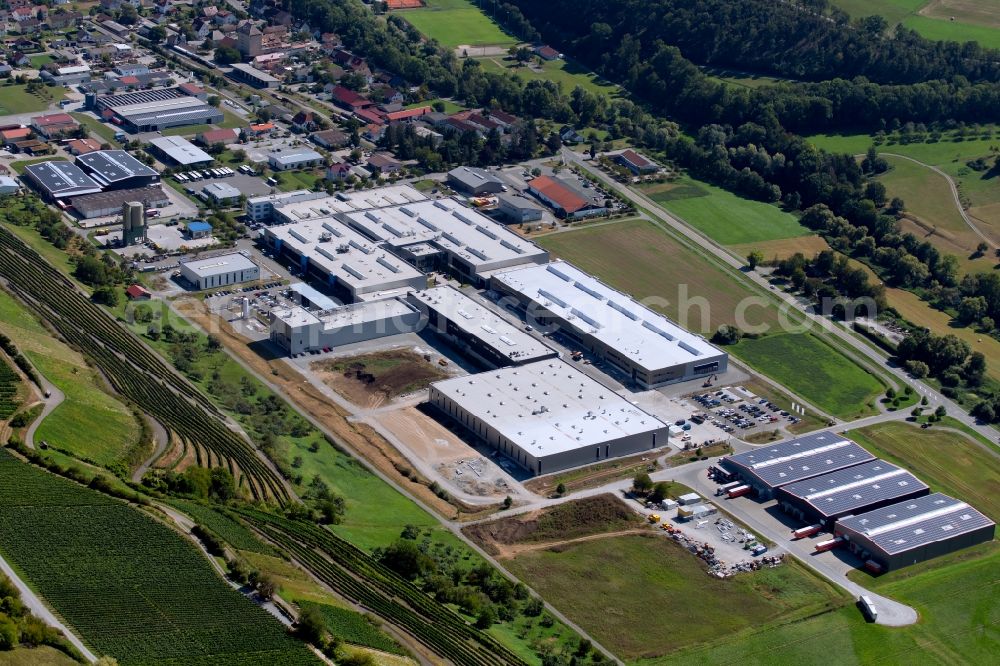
{"type": "Point", "coordinates": [449, 105]}
{"type": "Point", "coordinates": [813, 369]}
{"type": "Point", "coordinates": [37, 61]}
{"type": "Point", "coordinates": [17, 99]}
{"type": "Point", "coordinates": [355, 628]}
{"type": "Point", "coordinates": [97, 127]}
{"type": "Point", "coordinates": [946, 461]}
{"type": "Point", "coordinates": [106, 562]}
{"type": "Point", "coordinates": [457, 22]}
{"type": "Point", "coordinates": [724, 217]}
{"type": "Point", "coordinates": [599, 583]}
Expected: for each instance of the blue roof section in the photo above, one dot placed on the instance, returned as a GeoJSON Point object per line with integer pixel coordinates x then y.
{"type": "Point", "coordinates": [798, 459]}
{"type": "Point", "coordinates": [913, 523]}
{"type": "Point", "coordinates": [855, 488]}
{"type": "Point", "coordinates": [199, 226]}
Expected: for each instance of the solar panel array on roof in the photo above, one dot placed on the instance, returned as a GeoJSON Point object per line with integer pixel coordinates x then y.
{"type": "Point", "coordinates": [913, 523]}
{"type": "Point", "coordinates": [58, 178]}
{"type": "Point", "coordinates": [853, 488]}
{"type": "Point", "coordinates": [109, 167]}
{"type": "Point", "coordinates": [797, 459]}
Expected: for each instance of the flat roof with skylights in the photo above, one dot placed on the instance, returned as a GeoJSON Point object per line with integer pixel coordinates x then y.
{"type": "Point", "coordinates": [634, 334]}
{"type": "Point", "coordinates": [297, 209]}
{"type": "Point", "coordinates": [548, 415]}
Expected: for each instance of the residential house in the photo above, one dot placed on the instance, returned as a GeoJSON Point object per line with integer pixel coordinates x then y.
{"type": "Point", "coordinates": [217, 137]}
{"type": "Point", "coordinates": [14, 134]}
{"type": "Point", "coordinates": [384, 164]}
{"type": "Point", "coordinates": [338, 172]}
{"type": "Point", "coordinates": [547, 53]}
{"type": "Point", "coordinates": [304, 121]}
{"type": "Point", "coordinates": [138, 293]}
{"type": "Point", "coordinates": [83, 146]}
{"type": "Point", "coordinates": [55, 125]}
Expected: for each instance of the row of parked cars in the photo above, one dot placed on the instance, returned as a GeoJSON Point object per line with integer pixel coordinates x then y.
{"type": "Point", "coordinates": [229, 292]}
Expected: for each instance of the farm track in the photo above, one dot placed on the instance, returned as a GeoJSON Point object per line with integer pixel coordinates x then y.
{"type": "Point", "coordinates": [361, 579]}
{"type": "Point", "coordinates": [133, 370]}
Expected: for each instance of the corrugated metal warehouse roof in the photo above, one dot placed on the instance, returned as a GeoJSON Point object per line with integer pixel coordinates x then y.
{"type": "Point", "coordinates": [797, 459]}
{"type": "Point", "coordinates": [854, 488]}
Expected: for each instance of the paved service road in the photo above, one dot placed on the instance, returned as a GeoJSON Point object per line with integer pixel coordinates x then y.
{"type": "Point", "coordinates": [54, 400]}
{"type": "Point", "coordinates": [41, 611]}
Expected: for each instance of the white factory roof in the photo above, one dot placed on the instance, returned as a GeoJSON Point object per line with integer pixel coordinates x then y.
{"type": "Point", "coordinates": [345, 254]}
{"type": "Point", "coordinates": [161, 107]}
{"type": "Point", "coordinates": [486, 326]}
{"type": "Point", "coordinates": [548, 407]}
{"type": "Point", "coordinates": [345, 316]}
{"type": "Point", "coordinates": [181, 150]}
{"type": "Point", "coordinates": [222, 191]}
{"type": "Point", "coordinates": [295, 156]}
{"type": "Point", "coordinates": [219, 265]}
{"type": "Point", "coordinates": [476, 239]}
{"type": "Point", "coordinates": [300, 207]}
{"type": "Point", "coordinates": [647, 338]}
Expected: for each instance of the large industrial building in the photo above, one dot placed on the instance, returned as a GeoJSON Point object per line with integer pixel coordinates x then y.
{"type": "Point", "coordinates": [104, 204]}
{"type": "Point", "coordinates": [475, 181]}
{"type": "Point", "coordinates": [154, 110]}
{"type": "Point", "coordinates": [302, 205]}
{"type": "Point", "coordinates": [58, 179]}
{"type": "Point", "coordinates": [221, 271]}
{"type": "Point", "coordinates": [445, 235]}
{"type": "Point", "coordinates": [870, 485]}
{"type": "Point", "coordinates": [644, 345]}
{"type": "Point", "coordinates": [348, 264]}
{"type": "Point", "coordinates": [914, 530]}
{"type": "Point", "coordinates": [179, 151]}
{"type": "Point", "coordinates": [548, 416]}
{"type": "Point", "coordinates": [297, 330]}
{"type": "Point", "coordinates": [116, 170]}
{"type": "Point", "coordinates": [477, 331]}
{"type": "Point", "coordinates": [767, 468]}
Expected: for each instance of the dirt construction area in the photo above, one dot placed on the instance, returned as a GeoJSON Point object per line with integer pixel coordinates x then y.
{"type": "Point", "coordinates": [447, 453]}
{"type": "Point", "coordinates": [369, 380]}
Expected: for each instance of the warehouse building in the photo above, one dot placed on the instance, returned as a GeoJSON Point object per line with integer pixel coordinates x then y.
{"type": "Point", "coordinates": [255, 77]}
{"type": "Point", "coordinates": [155, 110]}
{"type": "Point", "coordinates": [644, 345]}
{"type": "Point", "coordinates": [445, 235]}
{"type": "Point", "coordinates": [477, 331]}
{"type": "Point", "coordinates": [298, 331]}
{"type": "Point", "coordinates": [223, 194]}
{"type": "Point", "coordinates": [916, 530]}
{"type": "Point", "coordinates": [116, 170]}
{"type": "Point", "coordinates": [548, 416]}
{"type": "Point", "coordinates": [67, 76]}
{"type": "Point", "coordinates": [178, 151]}
{"type": "Point", "coordinates": [870, 485]}
{"type": "Point", "coordinates": [220, 271]}
{"type": "Point", "coordinates": [110, 203]}
{"type": "Point", "coordinates": [261, 209]}
{"type": "Point", "coordinates": [767, 468]}
{"type": "Point", "coordinates": [294, 159]}
{"type": "Point", "coordinates": [348, 264]}
{"type": "Point", "coordinates": [518, 209]}
{"type": "Point", "coordinates": [471, 180]}
{"type": "Point", "coordinates": [58, 179]}
{"type": "Point", "coordinates": [566, 200]}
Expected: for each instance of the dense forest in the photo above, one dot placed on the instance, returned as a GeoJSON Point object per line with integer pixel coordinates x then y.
{"type": "Point", "coordinates": [801, 40]}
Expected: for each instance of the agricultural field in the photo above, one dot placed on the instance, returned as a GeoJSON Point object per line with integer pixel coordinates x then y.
{"type": "Point", "coordinates": [944, 20]}
{"type": "Point", "coordinates": [130, 586]}
{"type": "Point", "coordinates": [564, 72]}
{"type": "Point", "coordinates": [931, 212]}
{"type": "Point", "coordinates": [457, 23]}
{"type": "Point", "coordinates": [659, 266]}
{"type": "Point", "coordinates": [644, 596]}
{"type": "Point", "coordinates": [810, 368]}
{"type": "Point", "coordinates": [782, 248]}
{"type": "Point", "coordinates": [721, 215]}
{"type": "Point", "coordinates": [87, 408]}
{"type": "Point", "coordinates": [226, 528]}
{"type": "Point", "coordinates": [355, 628]}
{"type": "Point", "coordinates": [944, 459]}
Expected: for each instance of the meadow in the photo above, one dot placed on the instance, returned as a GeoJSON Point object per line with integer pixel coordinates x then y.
{"type": "Point", "coordinates": [943, 20]}
{"type": "Point", "coordinates": [644, 596]}
{"type": "Point", "coordinates": [944, 459]}
{"type": "Point", "coordinates": [563, 72]}
{"type": "Point", "coordinates": [456, 23]}
{"type": "Point", "coordinates": [721, 215]}
{"type": "Point", "coordinates": [131, 587]}
{"type": "Point", "coordinates": [17, 99]}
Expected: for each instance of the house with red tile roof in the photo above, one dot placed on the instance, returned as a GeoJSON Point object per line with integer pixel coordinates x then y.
{"type": "Point", "coordinates": [212, 137]}
{"type": "Point", "coordinates": [55, 125]}
{"type": "Point", "coordinates": [138, 293]}
{"type": "Point", "coordinates": [83, 146]}
{"type": "Point", "coordinates": [9, 136]}
{"type": "Point", "coordinates": [562, 198]}
{"type": "Point", "coordinates": [636, 163]}
{"type": "Point", "coordinates": [348, 99]}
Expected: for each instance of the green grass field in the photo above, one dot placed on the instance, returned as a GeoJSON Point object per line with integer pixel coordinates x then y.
{"type": "Point", "coordinates": [37, 61]}
{"type": "Point", "coordinates": [658, 269]}
{"type": "Point", "coordinates": [16, 99]}
{"type": "Point", "coordinates": [87, 409]}
{"type": "Point", "coordinates": [946, 461]}
{"type": "Point", "coordinates": [563, 72]}
{"type": "Point", "coordinates": [974, 20]}
{"type": "Point", "coordinates": [455, 23]}
{"type": "Point", "coordinates": [105, 132]}
{"type": "Point", "coordinates": [643, 597]}
{"type": "Point", "coordinates": [39, 656]}
{"type": "Point", "coordinates": [813, 370]}
{"type": "Point", "coordinates": [722, 216]}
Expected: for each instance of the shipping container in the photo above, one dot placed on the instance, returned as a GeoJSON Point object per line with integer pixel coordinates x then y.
{"type": "Point", "coordinates": [738, 491]}
{"type": "Point", "coordinates": [803, 532]}
{"type": "Point", "coordinates": [724, 488]}
{"type": "Point", "coordinates": [829, 544]}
